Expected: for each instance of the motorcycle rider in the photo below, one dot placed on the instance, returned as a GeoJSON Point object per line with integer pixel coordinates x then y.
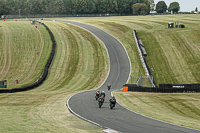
{"type": "Point", "coordinates": [97, 94]}
{"type": "Point", "coordinates": [112, 101]}
{"type": "Point", "coordinates": [103, 94]}
{"type": "Point", "coordinates": [109, 86]}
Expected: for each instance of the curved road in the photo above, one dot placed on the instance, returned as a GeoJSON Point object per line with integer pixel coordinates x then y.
{"type": "Point", "coordinates": [120, 119]}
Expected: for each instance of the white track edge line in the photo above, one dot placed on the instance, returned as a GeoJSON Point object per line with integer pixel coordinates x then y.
{"type": "Point", "coordinates": [95, 89]}
{"type": "Point", "coordinates": [112, 91]}
{"type": "Point", "coordinates": [154, 118]}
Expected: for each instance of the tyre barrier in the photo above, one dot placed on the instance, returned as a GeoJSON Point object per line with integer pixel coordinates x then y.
{"type": "Point", "coordinates": [45, 72]}
{"type": "Point", "coordinates": [164, 88]}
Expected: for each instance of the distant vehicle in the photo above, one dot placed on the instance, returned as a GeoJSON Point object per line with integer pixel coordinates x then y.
{"type": "Point", "coordinates": [109, 86]}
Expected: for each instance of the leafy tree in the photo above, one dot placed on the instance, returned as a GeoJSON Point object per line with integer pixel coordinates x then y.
{"type": "Point", "coordinates": [174, 6]}
{"type": "Point", "coordinates": [124, 6]}
{"type": "Point", "coordinates": [74, 6]}
{"type": "Point", "coordinates": [161, 7]}
{"type": "Point", "coordinates": [82, 7]}
{"type": "Point", "coordinates": [148, 5]}
{"type": "Point", "coordinates": [68, 6]}
{"type": "Point", "coordinates": [59, 7]}
{"type": "Point", "coordinates": [196, 9]}
{"type": "Point", "coordinates": [152, 5]}
{"type": "Point", "coordinates": [140, 9]}
{"type": "Point", "coordinates": [26, 7]}
{"type": "Point", "coordinates": [91, 6]}
{"type": "Point", "coordinates": [103, 6]}
{"type": "Point", "coordinates": [4, 8]}
{"type": "Point", "coordinates": [115, 6]}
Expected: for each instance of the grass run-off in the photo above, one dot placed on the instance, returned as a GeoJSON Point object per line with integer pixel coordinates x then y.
{"type": "Point", "coordinates": [81, 63]}
{"type": "Point", "coordinates": [20, 43]}
{"type": "Point", "coordinates": [176, 108]}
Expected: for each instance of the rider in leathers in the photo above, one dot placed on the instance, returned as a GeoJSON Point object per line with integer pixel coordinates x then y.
{"type": "Point", "coordinates": [113, 101]}
{"type": "Point", "coordinates": [103, 94]}
{"type": "Point", "coordinates": [97, 93]}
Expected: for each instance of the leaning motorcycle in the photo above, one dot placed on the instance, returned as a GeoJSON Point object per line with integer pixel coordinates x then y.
{"type": "Point", "coordinates": [100, 101]}
{"type": "Point", "coordinates": [96, 97]}
{"type": "Point", "coordinates": [112, 105]}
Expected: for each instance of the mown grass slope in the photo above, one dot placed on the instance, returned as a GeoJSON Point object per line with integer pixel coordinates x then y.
{"type": "Point", "coordinates": [80, 63]}
{"type": "Point", "coordinates": [44, 110]}
{"type": "Point", "coordinates": [179, 109]}
{"type": "Point", "coordinates": [174, 57]}
{"type": "Point", "coordinates": [173, 54]}
{"type": "Point", "coordinates": [20, 42]}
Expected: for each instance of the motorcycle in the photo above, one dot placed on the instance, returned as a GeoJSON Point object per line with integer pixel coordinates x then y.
{"type": "Point", "coordinates": [112, 105]}
{"type": "Point", "coordinates": [100, 101]}
{"type": "Point", "coordinates": [109, 86]}
{"type": "Point", "coordinates": [96, 97]}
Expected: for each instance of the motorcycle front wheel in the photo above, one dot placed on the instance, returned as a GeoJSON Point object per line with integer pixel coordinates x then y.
{"type": "Point", "coordinates": [111, 106]}
{"type": "Point", "coordinates": [100, 104]}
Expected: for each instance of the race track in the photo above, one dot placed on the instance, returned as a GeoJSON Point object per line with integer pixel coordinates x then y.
{"type": "Point", "coordinates": [120, 119]}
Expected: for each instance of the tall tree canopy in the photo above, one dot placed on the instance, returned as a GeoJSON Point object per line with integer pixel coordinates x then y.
{"type": "Point", "coordinates": [161, 7]}
{"type": "Point", "coordinates": [196, 9]}
{"type": "Point", "coordinates": [152, 5]}
{"type": "Point", "coordinates": [140, 9]}
{"type": "Point", "coordinates": [28, 7]}
{"type": "Point", "coordinates": [174, 6]}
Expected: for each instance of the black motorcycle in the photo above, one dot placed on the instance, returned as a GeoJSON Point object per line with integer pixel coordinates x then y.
{"type": "Point", "coordinates": [112, 103]}
{"type": "Point", "coordinates": [109, 86]}
{"type": "Point", "coordinates": [100, 101]}
{"type": "Point", "coordinates": [96, 97]}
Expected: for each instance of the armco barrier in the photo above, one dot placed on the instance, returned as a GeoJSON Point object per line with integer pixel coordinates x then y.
{"type": "Point", "coordinates": [165, 88]}
{"type": "Point", "coordinates": [45, 72]}
{"type": "Point", "coordinates": [144, 62]}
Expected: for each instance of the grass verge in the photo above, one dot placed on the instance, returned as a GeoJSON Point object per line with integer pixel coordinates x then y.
{"type": "Point", "coordinates": [179, 109]}
{"type": "Point", "coordinates": [20, 43]}
{"type": "Point", "coordinates": [44, 108]}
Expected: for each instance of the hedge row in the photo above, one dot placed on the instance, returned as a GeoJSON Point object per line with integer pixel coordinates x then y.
{"type": "Point", "coordinates": [45, 72]}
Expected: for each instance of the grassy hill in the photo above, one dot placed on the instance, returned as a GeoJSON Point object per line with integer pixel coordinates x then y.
{"type": "Point", "coordinates": [173, 54]}
{"type": "Point", "coordinates": [80, 63]}
{"type": "Point", "coordinates": [19, 43]}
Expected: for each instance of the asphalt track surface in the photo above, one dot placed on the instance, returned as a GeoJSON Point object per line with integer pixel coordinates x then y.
{"type": "Point", "coordinates": [120, 119]}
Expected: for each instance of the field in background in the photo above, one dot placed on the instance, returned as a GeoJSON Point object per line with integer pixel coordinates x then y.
{"type": "Point", "coordinates": [80, 63]}
{"type": "Point", "coordinates": [173, 54]}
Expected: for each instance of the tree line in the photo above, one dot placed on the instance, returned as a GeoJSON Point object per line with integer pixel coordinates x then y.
{"type": "Point", "coordinates": [161, 7]}
{"type": "Point", "coordinates": [28, 7]}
